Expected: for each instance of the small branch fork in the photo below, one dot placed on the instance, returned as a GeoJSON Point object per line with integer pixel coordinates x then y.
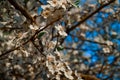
{"type": "Point", "coordinates": [29, 17]}
{"type": "Point", "coordinates": [86, 18]}
{"type": "Point", "coordinates": [31, 38]}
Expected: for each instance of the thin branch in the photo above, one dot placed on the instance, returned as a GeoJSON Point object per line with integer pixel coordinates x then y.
{"type": "Point", "coordinates": [9, 28]}
{"type": "Point", "coordinates": [31, 38]}
{"type": "Point", "coordinates": [102, 67]}
{"type": "Point", "coordinates": [71, 48]}
{"type": "Point", "coordinates": [88, 40]}
{"type": "Point", "coordinates": [86, 18]}
{"type": "Point", "coordinates": [89, 16]}
{"type": "Point", "coordinates": [56, 43]}
{"type": "Point", "coordinates": [22, 10]}
{"type": "Point", "coordinates": [27, 15]}
{"type": "Point", "coordinates": [37, 47]}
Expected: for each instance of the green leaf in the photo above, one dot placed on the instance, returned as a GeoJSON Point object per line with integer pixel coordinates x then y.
{"type": "Point", "coordinates": [75, 3]}
{"type": "Point", "coordinates": [59, 48]}
{"type": "Point", "coordinates": [41, 34]}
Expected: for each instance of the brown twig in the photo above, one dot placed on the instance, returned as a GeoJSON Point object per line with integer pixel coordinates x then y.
{"type": "Point", "coordinates": [31, 38]}
{"type": "Point", "coordinates": [37, 48]}
{"type": "Point", "coordinates": [90, 15]}
{"type": "Point", "coordinates": [22, 10]}
{"type": "Point", "coordinates": [27, 15]}
{"type": "Point", "coordinates": [88, 77]}
{"type": "Point", "coordinates": [86, 18]}
{"type": "Point", "coordinates": [9, 28]}
{"type": "Point", "coordinates": [88, 40]}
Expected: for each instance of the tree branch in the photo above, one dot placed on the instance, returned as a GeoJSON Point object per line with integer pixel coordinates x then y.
{"type": "Point", "coordinates": [31, 38]}
{"type": "Point", "coordinates": [22, 10]}
{"type": "Point", "coordinates": [87, 17]}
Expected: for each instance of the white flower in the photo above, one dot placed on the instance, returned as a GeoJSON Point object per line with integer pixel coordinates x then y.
{"type": "Point", "coordinates": [61, 30]}
{"type": "Point", "coordinates": [106, 50]}
{"type": "Point", "coordinates": [46, 13]}
{"type": "Point", "coordinates": [63, 4]}
{"type": "Point", "coordinates": [33, 27]}
{"type": "Point", "coordinates": [109, 43]}
{"type": "Point", "coordinates": [58, 3]}
{"type": "Point", "coordinates": [45, 7]}
{"type": "Point", "coordinates": [53, 3]}
{"type": "Point", "coordinates": [68, 74]}
{"type": "Point", "coordinates": [50, 58]}
{"type": "Point", "coordinates": [114, 33]}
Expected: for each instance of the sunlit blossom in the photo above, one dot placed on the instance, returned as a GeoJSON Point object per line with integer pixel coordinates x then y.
{"type": "Point", "coordinates": [61, 30]}
{"type": "Point", "coordinates": [46, 13]}
{"type": "Point", "coordinates": [45, 7]}
{"type": "Point", "coordinates": [53, 3]}
{"type": "Point", "coordinates": [109, 43]}
{"type": "Point", "coordinates": [63, 4]}
{"type": "Point", "coordinates": [106, 50]}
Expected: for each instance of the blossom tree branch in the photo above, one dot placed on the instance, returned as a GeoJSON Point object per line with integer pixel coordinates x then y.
{"type": "Point", "coordinates": [86, 18]}
{"type": "Point", "coordinates": [31, 38]}
{"type": "Point", "coordinates": [89, 16]}
{"type": "Point", "coordinates": [28, 16]}
{"type": "Point", "coordinates": [22, 10]}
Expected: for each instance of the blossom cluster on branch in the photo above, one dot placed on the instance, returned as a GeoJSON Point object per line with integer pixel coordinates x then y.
{"type": "Point", "coordinates": [33, 39]}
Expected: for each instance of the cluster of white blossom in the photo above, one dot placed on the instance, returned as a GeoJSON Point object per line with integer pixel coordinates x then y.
{"type": "Point", "coordinates": [30, 44]}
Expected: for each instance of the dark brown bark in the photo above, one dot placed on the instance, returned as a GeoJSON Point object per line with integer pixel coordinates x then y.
{"type": "Point", "coordinates": [22, 10]}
